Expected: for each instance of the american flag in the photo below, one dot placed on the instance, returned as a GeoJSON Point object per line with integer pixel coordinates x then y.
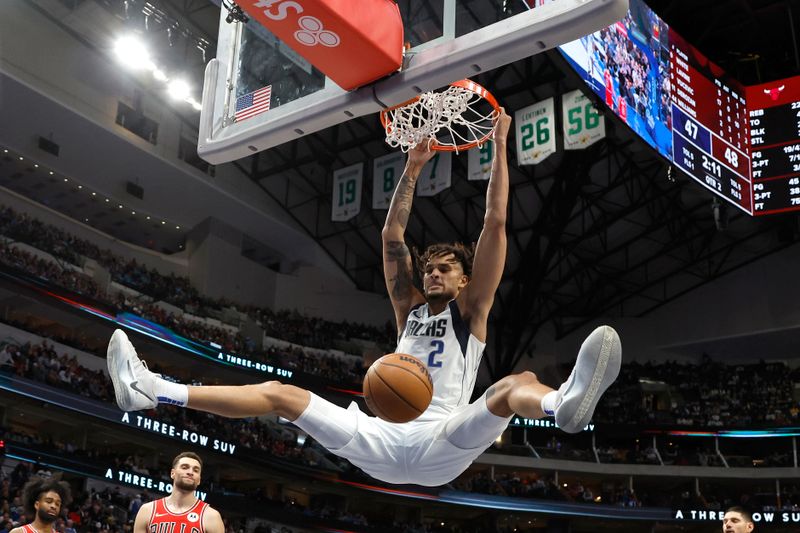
{"type": "Point", "coordinates": [253, 103]}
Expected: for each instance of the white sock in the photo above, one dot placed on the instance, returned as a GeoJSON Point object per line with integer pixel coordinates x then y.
{"type": "Point", "coordinates": [549, 402]}
{"type": "Point", "coordinates": [171, 393]}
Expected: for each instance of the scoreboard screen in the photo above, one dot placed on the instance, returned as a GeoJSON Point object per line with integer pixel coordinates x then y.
{"type": "Point", "coordinates": [774, 123]}
{"type": "Point", "coordinates": [709, 125]}
{"type": "Point", "coordinates": [742, 143]}
{"type": "Point", "coordinates": [627, 65]}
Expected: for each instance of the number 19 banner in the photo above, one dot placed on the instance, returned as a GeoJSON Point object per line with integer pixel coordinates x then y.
{"type": "Point", "coordinates": [583, 125]}
{"type": "Point", "coordinates": [346, 201]}
{"type": "Point", "coordinates": [536, 128]}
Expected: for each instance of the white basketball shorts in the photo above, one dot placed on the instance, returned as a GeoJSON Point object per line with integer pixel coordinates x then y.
{"type": "Point", "coordinates": [423, 452]}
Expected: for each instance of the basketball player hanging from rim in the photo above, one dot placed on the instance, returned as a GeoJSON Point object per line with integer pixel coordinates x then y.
{"type": "Point", "coordinates": [459, 291]}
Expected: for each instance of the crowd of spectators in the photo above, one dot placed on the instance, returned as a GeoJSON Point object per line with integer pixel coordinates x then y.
{"type": "Point", "coordinates": [290, 326]}
{"type": "Point", "coordinates": [94, 512]}
{"type": "Point", "coordinates": [41, 362]}
{"type": "Point", "coordinates": [532, 485]}
{"type": "Point", "coordinates": [20, 227]}
{"type": "Point", "coordinates": [711, 496]}
{"type": "Point", "coordinates": [101, 512]}
{"type": "Point", "coordinates": [113, 510]}
{"type": "Point", "coordinates": [629, 66]}
{"type": "Point", "coordinates": [174, 289]}
{"type": "Point", "coordinates": [107, 511]}
{"type": "Point", "coordinates": [703, 395]}
{"type": "Point", "coordinates": [706, 395]}
{"type": "Point", "coordinates": [49, 271]}
{"type": "Point", "coordinates": [567, 449]}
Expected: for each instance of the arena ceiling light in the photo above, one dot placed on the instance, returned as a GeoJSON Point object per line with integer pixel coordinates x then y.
{"type": "Point", "coordinates": [159, 75]}
{"type": "Point", "coordinates": [132, 53]}
{"type": "Point", "coordinates": [178, 89]}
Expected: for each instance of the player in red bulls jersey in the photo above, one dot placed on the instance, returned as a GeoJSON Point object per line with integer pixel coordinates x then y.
{"type": "Point", "coordinates": [181, 511]}
{"type": "Point", "coordinates": [43, 499]}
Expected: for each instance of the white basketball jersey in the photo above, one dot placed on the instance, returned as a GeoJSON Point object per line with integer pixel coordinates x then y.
{"type": "Point", "coordinates": [451, 353]}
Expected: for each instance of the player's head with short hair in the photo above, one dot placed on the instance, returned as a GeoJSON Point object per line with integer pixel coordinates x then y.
{"type": "Point", "coordinates": [190, 455]}
{"type": "Point", "coordinates": [737, 520]}
{"type": "Point", "coordinates": [43, 498]}
{"type": "Point", "coordinates": [186, 470]}
{"type": "Point", "coordinates": [445, 269]}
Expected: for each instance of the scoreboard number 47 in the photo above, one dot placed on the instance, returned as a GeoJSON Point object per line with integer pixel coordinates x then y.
{"type": "Point", "coordinates": [730, 154]}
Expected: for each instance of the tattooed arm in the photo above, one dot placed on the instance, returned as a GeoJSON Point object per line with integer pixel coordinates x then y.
{"type": "Point", "coordinates": [397, 264]}
{"type": "Point", "coordinates": [477, 299]}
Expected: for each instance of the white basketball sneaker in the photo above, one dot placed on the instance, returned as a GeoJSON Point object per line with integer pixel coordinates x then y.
{"type": "Point", "coordinates": [596, 368]}
{"type": "Point", "coordinates": [134, 383]}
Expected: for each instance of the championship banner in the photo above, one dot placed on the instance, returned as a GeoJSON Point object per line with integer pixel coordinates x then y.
{"type": "Point", "coordinates": [536, 132]}
{"type": "Point", "coordinates": [347, 192]}
{"type": "Point", "coordinates": [386, 172]}
{"type": "Point", "coordinates": [583, 125]}
{"type": "Point", "coordinates": [479, 162]}
{"type": "Point", "coordinates": [435, 177]}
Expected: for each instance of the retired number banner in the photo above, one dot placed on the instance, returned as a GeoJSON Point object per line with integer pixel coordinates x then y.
{"type": "Point", "coordinates": [583, 125]}
{"type": "Point", "coordinates": [435, 177]}
{"type": "Point", "coordinates": [479, 163]}
{"type": "Point", "coordinates": [386, 172]}
{"type": "Point", "coordinates": [346, 201]}
{"type": "Point", "coordinates": [536, 128]}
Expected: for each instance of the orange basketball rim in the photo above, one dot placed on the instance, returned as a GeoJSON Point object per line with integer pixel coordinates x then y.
{"type": "Point", "coordinates": [455, 119]}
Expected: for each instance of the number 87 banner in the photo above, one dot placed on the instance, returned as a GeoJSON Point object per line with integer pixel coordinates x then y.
{"type": "Point", "coordinates": [536, 137]}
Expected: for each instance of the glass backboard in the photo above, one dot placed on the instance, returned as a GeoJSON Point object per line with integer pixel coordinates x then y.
{"type": "Point", "coordinates": [260, 93]}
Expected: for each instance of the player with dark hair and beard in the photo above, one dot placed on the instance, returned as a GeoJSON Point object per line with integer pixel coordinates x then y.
{"type": "Point", "coordinates": [737, 520]}
{"type": "Point", "coordinates": [443, 326]}
{"type": "Point", "coordinates": [182, 511]}
{"type": "Point", "coordinates": [43, 499]}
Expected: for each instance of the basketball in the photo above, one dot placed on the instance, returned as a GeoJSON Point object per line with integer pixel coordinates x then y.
{"type": "Point", "coordinates": [398, 388]}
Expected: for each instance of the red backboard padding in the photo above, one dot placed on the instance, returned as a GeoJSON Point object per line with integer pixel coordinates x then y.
{"type": "Point", "coordinates": [353, 42]}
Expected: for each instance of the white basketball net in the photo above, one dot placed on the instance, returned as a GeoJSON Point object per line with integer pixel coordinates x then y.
{"type": "Point", "coordinates": [448, 118]}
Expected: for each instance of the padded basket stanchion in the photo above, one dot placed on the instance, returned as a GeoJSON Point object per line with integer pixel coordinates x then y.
{"type": "Point", "coordinates": [353, 42]}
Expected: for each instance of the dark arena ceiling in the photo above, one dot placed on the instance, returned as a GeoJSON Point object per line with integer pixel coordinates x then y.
{"type": "Point", "coordinates": [609, 231]}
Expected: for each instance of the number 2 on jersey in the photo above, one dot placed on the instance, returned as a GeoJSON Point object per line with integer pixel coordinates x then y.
{"type": "Point", "coordinates": [438, 346]}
